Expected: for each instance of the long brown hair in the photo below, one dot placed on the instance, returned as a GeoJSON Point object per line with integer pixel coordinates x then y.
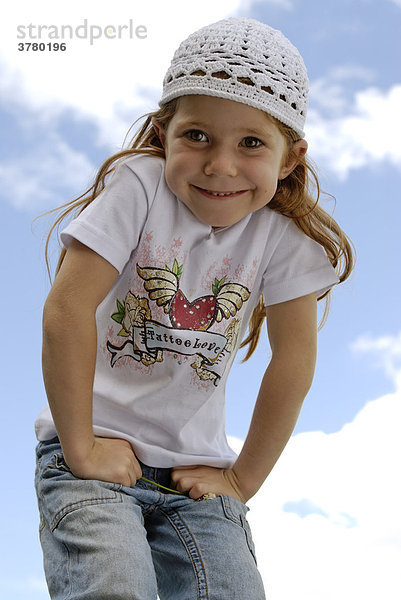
{"type": "Point", "coordinates": [297, 198]}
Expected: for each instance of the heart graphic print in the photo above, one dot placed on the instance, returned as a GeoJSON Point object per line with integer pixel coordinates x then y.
{"type": "Point", "coordinates": [198, 315]}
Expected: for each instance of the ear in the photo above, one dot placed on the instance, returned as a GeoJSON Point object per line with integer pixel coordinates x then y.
{"type": "Point", "coordinates": [298, 150]}
{"type": "Point", "coordinates": [160, 131]}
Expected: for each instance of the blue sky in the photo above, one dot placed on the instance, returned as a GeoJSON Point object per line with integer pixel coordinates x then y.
{"type": "Point", "coordinates": [62, 114]}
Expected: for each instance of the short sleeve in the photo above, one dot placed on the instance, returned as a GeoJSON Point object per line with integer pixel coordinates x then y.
{"type": "Point", "coordinates": [111, 225]}
{"type": "Point", "coordinates": [298, 266]}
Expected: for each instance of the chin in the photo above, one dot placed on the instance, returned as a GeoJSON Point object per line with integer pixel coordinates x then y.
{"type": "Point", "coordinates": [221, 221]}
{"type": "Point", "coordinates": [225, 223]}
{"type": "Point", "coordinates": [218, 224]}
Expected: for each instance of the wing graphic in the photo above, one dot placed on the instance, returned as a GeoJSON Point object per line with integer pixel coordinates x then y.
{"type": "Point", "coordinates": [230, 298]}
{"type": "Point", "coordinates": [161, 285]}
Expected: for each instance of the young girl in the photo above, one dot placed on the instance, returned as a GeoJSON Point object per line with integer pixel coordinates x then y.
{"type": "Point", "coordinates": [206, 226]}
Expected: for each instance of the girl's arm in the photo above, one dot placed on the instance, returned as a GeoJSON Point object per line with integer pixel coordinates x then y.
{"type": "Point", "coordinates": [292, 329]}
{"type": "Point", "coordinates": [69, 356]}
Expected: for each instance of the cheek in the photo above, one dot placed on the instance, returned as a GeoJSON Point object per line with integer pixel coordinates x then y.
{"type": "Point", "coordinates": [175, 178]}
{"type": "Point", "coordinates": [180, 169]}
{"type": "Point", "coordinates": [269, 181]}
{"type": "Point", "coordinates": [169, 176]}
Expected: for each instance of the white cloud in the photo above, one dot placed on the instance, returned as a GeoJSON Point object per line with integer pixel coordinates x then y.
{"type": "Point", "coordinates": [328, 93]}
{"type": "Point", "coordinates": [356, 134]}
{"type": "Point", "coordinates": [326, 524]}
{"type": "Point", "coordinates": [34, 181]}
{"type": "Point", "coordinates": [386, 351]}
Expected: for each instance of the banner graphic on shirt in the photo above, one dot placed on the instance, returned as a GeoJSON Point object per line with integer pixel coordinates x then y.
{"type": "Point", "coordinates": [156, 336]}
{"type": "Point", "coordinates": [148, 343]}
{"type": "Point", "coordinates": [190, 322]}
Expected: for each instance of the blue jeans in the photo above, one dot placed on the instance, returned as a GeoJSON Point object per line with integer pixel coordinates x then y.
{"type": "Point", "coordinates": [105, 541]}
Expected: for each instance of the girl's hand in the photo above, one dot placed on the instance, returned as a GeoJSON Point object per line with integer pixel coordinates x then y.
{"type": "Point", "coordinates": [110, 460]}
{"type": "Point", "coordinates": [199, 480]}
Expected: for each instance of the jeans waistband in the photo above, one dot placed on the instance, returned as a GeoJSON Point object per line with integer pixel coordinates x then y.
{"type": "Point", "coordinates": [159, 475]}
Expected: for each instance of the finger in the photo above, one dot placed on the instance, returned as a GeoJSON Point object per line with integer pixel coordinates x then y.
{"type": "Point", "coordinates": [137, 469]}
{"type": "Point", "coordinates": [120, 478]}
{"type": "Point", "coordinates": [199, 490]}
{"type": "Point", "coordinates": [129, 470]}
{"type": "Point", "coordinates": [184, 484]}
{"type": "Point", "coordinates": [130, 477]}
{"type": "Point", "coordinates": [176, 476]}
{"type": "Point", "coordinates": [133, 479]}
{"type": "Point", "coordinates": [180, 472]}
{"type": "Point", "coordinates": [132, 460]}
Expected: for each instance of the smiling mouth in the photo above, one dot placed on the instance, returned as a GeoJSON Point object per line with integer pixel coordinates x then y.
{"type": "Point", "coordinates": [215, 194]}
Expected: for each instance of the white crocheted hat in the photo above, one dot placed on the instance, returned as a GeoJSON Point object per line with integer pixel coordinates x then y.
{"type": "Point", "coordinates": [244, 60]}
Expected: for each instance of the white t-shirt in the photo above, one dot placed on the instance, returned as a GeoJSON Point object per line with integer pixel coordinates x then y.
{"type": "Point", "coordinates": [169, 328]}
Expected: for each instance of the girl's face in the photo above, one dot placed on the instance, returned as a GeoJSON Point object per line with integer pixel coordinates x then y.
{"type": "Point", "coordinates": [223, 158]}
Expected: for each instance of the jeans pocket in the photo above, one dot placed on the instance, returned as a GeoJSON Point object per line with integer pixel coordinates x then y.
{"type": "Point", "coordinates": [236, 511]}
{"type": "Point", "coordinates": [61, 493]}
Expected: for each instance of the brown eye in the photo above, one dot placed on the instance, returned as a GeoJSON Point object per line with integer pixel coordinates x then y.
{"type": "Point", "coordinates": [196, 135]}
{"type": "Point", "coordinates": [251, 142]}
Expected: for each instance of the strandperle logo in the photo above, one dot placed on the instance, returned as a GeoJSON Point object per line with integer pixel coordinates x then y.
{"type": "Point", "coordinates": [84, 31]}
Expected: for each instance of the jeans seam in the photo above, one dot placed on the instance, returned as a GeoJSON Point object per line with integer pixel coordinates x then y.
{"type": "Point", "coordinates": [77, 505]}
{"type": "Point", "coordinates": [242, 522]}
{"type": "Point", "coordinates": [193, 552]}
{"type": "Point", "coordinates": [67, 562]}
{"type": "Point", "coordinates": [248, 536]}
{"type": "Point", "coordinates": [39, 494]}
{"type": "Point", "coordinates": [229, 511]}
{"type": "Point", "coordinates": [68, 572]}
{"type": "Point", "coordinates": [42, 521]}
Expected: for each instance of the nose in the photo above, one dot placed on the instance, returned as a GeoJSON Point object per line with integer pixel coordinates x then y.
{"type": "Point", "coordinates": [220, 161]}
